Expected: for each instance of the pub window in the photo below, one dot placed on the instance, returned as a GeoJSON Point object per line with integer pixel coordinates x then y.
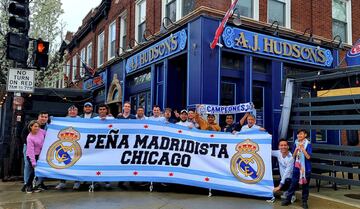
{"type": "Point", "coordinates": [139, 79]}
{"type": "Point", "coordinates": [74, 68]}
{"type": "Point", "coordinates": [111, 40]}
{"type": "Point", "coordinates": [123, 33]}
{"type": "Point", "coordinates": [260, 65]}
{"type": "Point", "coordinates": [341, 20]}
{"type": "Point", "coordinates": [100, 54]}
{"type": "Point", "coordinates": [140, 20]}
{"type": "Point", "coordinates": [230, 60]}
{"type": "Point", "coordinates": [248, 8]}
{"type": "Point", "coordinates": [176, 9]}
{"type": "Point", "coordinates": [279, 10]}
{"type": "Point", "coordinates": [89, 55]}
{"type": "Point", "coordinates": [83, 58]}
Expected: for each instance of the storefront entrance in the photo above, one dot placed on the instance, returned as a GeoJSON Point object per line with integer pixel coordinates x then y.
{"type": "Point", "coordinates": [176, 83]}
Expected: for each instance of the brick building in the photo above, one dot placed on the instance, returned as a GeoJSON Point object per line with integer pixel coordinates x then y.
{"type": "Point", "coordinates": [157, 52]}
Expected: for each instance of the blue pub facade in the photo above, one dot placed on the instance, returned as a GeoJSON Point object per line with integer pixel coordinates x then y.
{"type": "Point", "coordinates": [179, 70]}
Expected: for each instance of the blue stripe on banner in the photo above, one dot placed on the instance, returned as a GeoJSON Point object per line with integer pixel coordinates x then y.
{"type": "Point", "coordinates": [153, 168]}
{"type": "Point", "coordinates": [208, 185]}
{"type": "Point", "coordinates": [156, 132]}
{"type": "Point", "coordinates": [119, 121]}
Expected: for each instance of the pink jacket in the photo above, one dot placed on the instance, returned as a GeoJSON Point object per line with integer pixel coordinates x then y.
{"type": "Point", "coordinates": [34, 145]}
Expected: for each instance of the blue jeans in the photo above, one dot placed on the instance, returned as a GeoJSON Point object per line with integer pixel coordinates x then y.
{"type": "Point", "coordinates": [295, 183]}
{"type": "Point", "coordinates": [27, 166]}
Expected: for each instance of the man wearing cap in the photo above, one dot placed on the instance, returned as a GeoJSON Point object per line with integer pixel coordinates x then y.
{"type": "Point", "coordinates": [251, 123]}
{"type": "Point", "coordinates": [88, 111]}
{"type": "Point", "coordinates": [184, 119]}
{"type": "Point", "coordinates": [209, 125]}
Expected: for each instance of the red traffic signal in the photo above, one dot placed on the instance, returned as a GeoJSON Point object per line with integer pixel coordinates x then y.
{"type": "Point", "coordinates": [40, 53]}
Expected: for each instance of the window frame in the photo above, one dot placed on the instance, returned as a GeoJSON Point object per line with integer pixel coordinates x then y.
{"type": "Point", "coordinates": [123, 32]}
{"type": "Point", "coordinates": [348, 21]}
{"type": "Point", "coordinates": [287, 12]}
{"type": "Point", "coordinates": [137, 19]}
{"type": "Point", "coordinates": [255, 10]}
{"type": "Point", "coordinates": [74, 68]}
{"type": "Point", "coordinates": [113, 24]}
{"type": "Point", "coordinates": [89, 55]}
{"type": "Point", "coordinates": [83, 58]}
{"type": "Point", "coordinates": [101, 37]}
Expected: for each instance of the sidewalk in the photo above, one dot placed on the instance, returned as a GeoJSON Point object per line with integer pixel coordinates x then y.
{"type": "Point", "coordinates": [341, 195]}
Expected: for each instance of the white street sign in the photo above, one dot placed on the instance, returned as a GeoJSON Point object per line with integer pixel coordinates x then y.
{"type": "Point", "coordinates": [20, 80]}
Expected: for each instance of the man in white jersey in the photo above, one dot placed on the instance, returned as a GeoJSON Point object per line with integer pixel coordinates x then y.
{"type": "Point", "coordinates": [286, 164]}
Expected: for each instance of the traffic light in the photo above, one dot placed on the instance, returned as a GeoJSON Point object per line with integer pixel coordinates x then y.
{"type": "Point", "coordinates": [18, 43]}
{"type": "Point", "coordinates": [20, 19]}
{"type": "Point", "coordinates": [40, 53]}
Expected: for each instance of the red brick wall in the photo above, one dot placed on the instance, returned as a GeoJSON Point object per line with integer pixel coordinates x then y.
{"type": "Point", "coordinates": [315, 14]}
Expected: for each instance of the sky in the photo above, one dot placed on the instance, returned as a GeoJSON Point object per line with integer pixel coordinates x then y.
{"type": "Point", "coordinates": [75, 11]}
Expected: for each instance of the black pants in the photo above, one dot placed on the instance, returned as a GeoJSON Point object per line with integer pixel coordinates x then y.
{"type": "Point", "coordinates": [295, 183]}
{"type": "Point", "coordinates": [32, 171]}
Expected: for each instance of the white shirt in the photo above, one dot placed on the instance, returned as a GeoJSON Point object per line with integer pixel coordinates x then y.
{"type": "Point", "coordinates": [143, 118]}
{"type": "Point", "coordinates": [286, 165]}
{"type": "Point", "coordinates": [186, 123]}
{"type": "Point", "coordinates": [253, 127]}
{"type": "Point", "coordinates": [160, 119]}
{"type": "Point", "coordinates": [107, 117]}
{"type": "Point", "coordinates": [86, 115]}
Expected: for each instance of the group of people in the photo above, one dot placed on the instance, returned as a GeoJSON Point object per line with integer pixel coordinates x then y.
{"type": "Point", "coordinates": [295, 167]}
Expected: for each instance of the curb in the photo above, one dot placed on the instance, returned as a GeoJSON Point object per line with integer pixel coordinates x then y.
{"type": "Point", "coordinates": [332, 199]}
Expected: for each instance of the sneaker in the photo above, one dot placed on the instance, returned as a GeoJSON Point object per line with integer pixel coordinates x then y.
{"type": "Point", "coordinates": [60, 186]}
{"type": "Point", "coordinates": [36, 189]}
{"type": "Point", "coordinates": [23, 188]}
{"type": "Point", "coordinates": [305, 205]}
{"type": "Point", "coordinates": [293, 199]}
{"type": "Point", "coordinates": [285, 202]}
{"type": "Point", "coordinates": [76, 185]}
{"type": "Point", "coordinates": [28, 190]}
{"type": "Point", "coordinates": [42, 187]}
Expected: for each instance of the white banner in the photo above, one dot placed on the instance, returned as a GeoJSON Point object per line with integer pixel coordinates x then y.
{"type": "Point", "coordinates": [141, 150]}
{"type": "Point", "coordinates": [230, 109]}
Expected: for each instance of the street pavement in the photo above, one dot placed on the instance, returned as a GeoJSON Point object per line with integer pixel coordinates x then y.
{"type": "Point", "coordinates": [169, 197]}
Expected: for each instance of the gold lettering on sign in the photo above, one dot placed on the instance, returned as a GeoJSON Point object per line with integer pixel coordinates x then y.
{"type": "Point", "coordinates": [277, 50]}
{"type": "Point", "coordinates": [296, 51]}
{"type": "Point", "coordinates": [241, 41]}
{"type": "Point", "coordinates": [305, 54]}
{"type": "Point", "coordinates": [256, 44]}
{"type": "Point", "coordinates": [174, 42]}
{"type": "Point", "coordinates": [268, 45]}
{"type": "Point", "coordinates": [287, 51]}
{"type": "Point", "coordinates": [322, 57]}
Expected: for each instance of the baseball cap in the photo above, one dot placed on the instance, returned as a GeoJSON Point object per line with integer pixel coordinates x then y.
{"type": "Point", "coordinates": [88, 104]}
{"type": "Point", "coordinates": [183, 111]}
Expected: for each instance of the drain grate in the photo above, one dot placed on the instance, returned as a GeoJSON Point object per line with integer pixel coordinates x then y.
{"type": "Point", "coordinates": [353, 196]}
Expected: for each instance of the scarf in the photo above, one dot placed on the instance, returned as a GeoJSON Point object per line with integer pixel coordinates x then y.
{"type": "Point", "coordinates": [300, 161]}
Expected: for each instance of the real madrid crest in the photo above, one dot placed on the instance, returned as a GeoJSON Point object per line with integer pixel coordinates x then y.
{"type": "Point", "coordinates": [66, 151]}
{"type": "Point", "coordinates": [246, 164]}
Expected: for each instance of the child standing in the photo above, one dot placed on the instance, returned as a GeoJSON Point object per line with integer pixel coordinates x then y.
{"type": "Point", "coordinates": [35, 141]}
{"type": "Point", "coordinates": [302, 168]}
